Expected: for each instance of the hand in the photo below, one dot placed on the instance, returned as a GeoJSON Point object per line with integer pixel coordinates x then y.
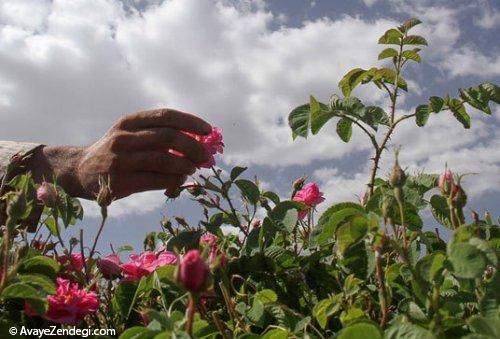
{"type": "Point", "coordinates": [133, 154]}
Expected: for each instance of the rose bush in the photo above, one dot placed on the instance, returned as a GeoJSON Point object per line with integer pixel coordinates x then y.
{"type": "Point", "coordinates": [362, 269]}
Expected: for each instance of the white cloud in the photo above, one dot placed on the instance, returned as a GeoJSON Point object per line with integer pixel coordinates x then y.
{"type": "Point", "coordinates": [74, 67]}
{"type": "Point", "coordinates": [489, 16]}
{"type": "Point", "coordinates": [369, 3]}
{"type": "Point", "coordinates": [469, 61]}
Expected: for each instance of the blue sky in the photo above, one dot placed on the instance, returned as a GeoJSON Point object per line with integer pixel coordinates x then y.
{"type": "Point", "coordinates": [68, 70]}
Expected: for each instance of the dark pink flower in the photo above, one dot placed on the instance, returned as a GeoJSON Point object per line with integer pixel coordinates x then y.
{"type": "Point", "coordinates": [47, 194]}
{"type": "Point", "coordinates": [193, 271]}
{"type": "Point", "coordinates": [75, 264]}
{"type": "Point", "coordinates": [141, 265]}
{"type": "Point", "coordinates": [310, 195]}
{"type": "Point", "coordinates": [209, 239]}
{"type": "Point", "coordinates": [70, 304]}
{"type": "Point", "coordinates": [110, 266]}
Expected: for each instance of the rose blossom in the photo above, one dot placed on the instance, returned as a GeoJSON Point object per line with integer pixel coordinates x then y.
{"type": "Point", "coordinates": [110, 266]}
{"type": "Point", "coordinates": [47, 194]}
{"type": "Point", "coordinates": [212, 143]}
{"type": "Point", "coordinates": [69, 305]}
{"type": "Point", "coordinates": [209, 239]}
{"type": "Point", "coordinates": [145, 263]}
{"type": "Point", "coordinates": [193, 271]}
{"type": "Point", "coordinates": [309, 195]}
{"type": "Point", "coordinates": [75, 264]}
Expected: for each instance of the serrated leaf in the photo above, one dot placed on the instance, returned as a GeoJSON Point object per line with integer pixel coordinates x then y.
{"type": "Point", "coordinates": [408, 24]}
{"type": "Point", "coordinates": [458, 110]}
{"type": "Point", "coordinates": [249, 190]}
{"type": "Point", "coordinates": [407, 331]}
{"type": "Point", "coordinates": [412, 55]}
{"type": "Point", "coordinates": [391, 37]}
{"type": "Point", "coordinates": [422, 115]}
{"type": "Point", "coordinates": [440, 210]}
{"type": "Point", "coordinates": [361, 329]}
{"type": "Point", "coordinates": [492, 90]}
{"type": "Point", "coordinates": [430, 266]}
{"type": "Point", "coordinates": [436, 104]}
{"type": "Point", "coordinates": [344, 129]}
{"type": "Point", "coordinates": [387, 53]}
{"type": "Point", "coordinates": [298, 120]}
{"type": "Point", "coordinates": [414, 40]}
{"type": "Point", "coordinates": [236, 171]}
{"type": "Point", "coordinates": [351, 80]}
{"type": "Point", "coordinates": [475, 97]}
{"type": "Point", "coordinates": [467, 261]}
{"type": "Point", "coordinates": [351, 232]}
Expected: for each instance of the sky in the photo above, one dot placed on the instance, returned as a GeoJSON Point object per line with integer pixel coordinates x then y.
{"type": "Point", "coordinates": [69, 69]}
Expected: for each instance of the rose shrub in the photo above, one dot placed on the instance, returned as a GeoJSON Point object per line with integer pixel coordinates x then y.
{"type": "Point", "coordinates": [362, 269]}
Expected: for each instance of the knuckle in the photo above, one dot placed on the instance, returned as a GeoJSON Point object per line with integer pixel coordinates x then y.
{"type": "Point", "coordinates": [118, 141]}
{"type": "Point", "coordinates": [113, 162]}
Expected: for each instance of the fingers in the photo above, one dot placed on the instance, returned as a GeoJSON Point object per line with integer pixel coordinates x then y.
{"type": "Point", "coordinates": [164, 138]}
{"type": "Point", "coordinates": [126, 185]}
{"type": "Point", "coordinates": [165, 118]}
{"type": "Point", "coordinates": [155, 161]}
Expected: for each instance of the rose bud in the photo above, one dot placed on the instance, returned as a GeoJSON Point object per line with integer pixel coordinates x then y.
{"type": "Point", "coordinates": [47, 194]}
{"type": "Point", "coordinates": [445, 182]}
{"type": "Point", "coordinates": [193, 271]}
{"type": "Point", "coordinates": [109, 266]}
{"type": "Point", "coordinates": [297, 184]}
{"type": "Point", "coordinates": [398, 176]}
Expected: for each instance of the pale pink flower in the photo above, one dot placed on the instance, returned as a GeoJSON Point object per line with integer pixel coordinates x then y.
{"type": "Point", "coordinates": [445, 182]}
{"type": "Point", "coordinates": [142, 265]}
{"type": "Point", "coordinates": [47, 194]}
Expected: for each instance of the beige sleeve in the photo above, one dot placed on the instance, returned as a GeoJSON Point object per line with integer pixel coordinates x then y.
{"type": "Point", "coordinates": [10, 148]}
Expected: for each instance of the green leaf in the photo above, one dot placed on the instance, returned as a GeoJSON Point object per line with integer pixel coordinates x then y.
{"type": "Point", "coordinates": [249, 190]}
{"type": "Point", "coordinates": [422, 115]}
{"type": "Point", "coordinates": [351, 232]}
{"type": "Point", "coordinates": [440, 210]}
{"type": "Point", "coordinates": [361, 329]}
{"type": "Point", "coordinates": [331, 218]}
{"type": "Point", "coordinates": [351, 80]}
{"type": "Point", "coordinates": [487, 326]}
{"type": "Point", "coordinates": [407, 331]}
{"type": "Point", "coordinates": [492, 90]}
{"type": "Point", "coordinates": [266, 296]}
{"type": "Point", "coordinates": [326, 308]}
{"type": "Point", "coordinates": [138, 332]}
{"type": "Point", "coordinates": [39, 280]}
{"type": "Point", "coordinates": [476, 97]}
{"type": "Point", "coordinates": [387, 53]}
{"type": "Point", "coordinates": [412, 54]}
{"type": "Point", "coordinates": [375, 116]}
{"type": "Point", "coordinates": [408, 24]}
{"type": "Point", "coordinates": [436, 104]}
{"type": "Point", "coordinates": [320, 116]}
{"type": "Point", "coordinates": [298, 120]}
{"type": "Point", "coordinates": [466, 260]}
{"type": "Point", "coordinates": [431, 265]}
{"type": "Point", "coordinates": [236, 171]}
{"type": "Point", "coordinates": [183, 240]}
{"type": "Point", "coordinates": [388, 75]}
{"type": "Point", "coordinates": [276, 333]}
{"type": "Point", "coordinates": [35, 297]}
{"type": "Point", "coordinates": [458, 110]}
{"type": "Point", "coordinates": [41, 264]}
{"type": "Point", "coordinates": [391, 37]}
{"type": "Point", "coordinates": [344, 129]}
{"type": "Point", "coordinates": [414, 40]}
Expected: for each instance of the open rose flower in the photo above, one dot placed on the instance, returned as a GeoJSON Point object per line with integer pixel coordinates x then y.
{"type": "Point", "coordinates": [47, 194]}
{"type": "Point", "coordinates": [215, 257]}
{"type": "Point", "coordinates": [69, 305]}
{"type": "Point", "coordinates": [72, 263]}
{"type": "Point", "coordinates": [144, 264]}
{"type": "Point", "coordinates": [310, 195]}
{"type": "Point", "coordinates": [193, 271]}
{"type": "Point", "coordinates": [109, 266]}
{"type": "Point", "coordinates": [213, 144]}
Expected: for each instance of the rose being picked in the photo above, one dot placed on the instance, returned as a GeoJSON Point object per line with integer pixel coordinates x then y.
{"type": "Point", "coordinates": [406, 262]}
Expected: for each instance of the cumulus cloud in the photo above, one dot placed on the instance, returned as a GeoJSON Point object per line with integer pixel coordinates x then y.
{"type": "Point", "coordinates": [68, 69]}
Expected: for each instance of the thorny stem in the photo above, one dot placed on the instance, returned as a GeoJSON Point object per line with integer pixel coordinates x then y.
{"type": "Point", "coordinates": [382, 290]}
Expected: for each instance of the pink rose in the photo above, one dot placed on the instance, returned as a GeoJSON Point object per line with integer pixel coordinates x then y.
{"type": "Point", "coordinates": [310, 196]}
{"type": "Point", "coordinates": [70, 304]}
{"type": "Point", "coordinates": [110, 266]}
{"type": "Point", "coordinates": [47, 194]}
{"type": "Point", "coordinates": [141, 265]}
{"type": "Point", "coordinates": [213, 144]}
{"type": "Point", "coordinates": [445, 182]}
{"type": "Point", "coordinates": [193, 271]}
{"type": "Point", "coordinates": [75, 264]}
{"type": "Point", "coordinates": [209, 239]}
